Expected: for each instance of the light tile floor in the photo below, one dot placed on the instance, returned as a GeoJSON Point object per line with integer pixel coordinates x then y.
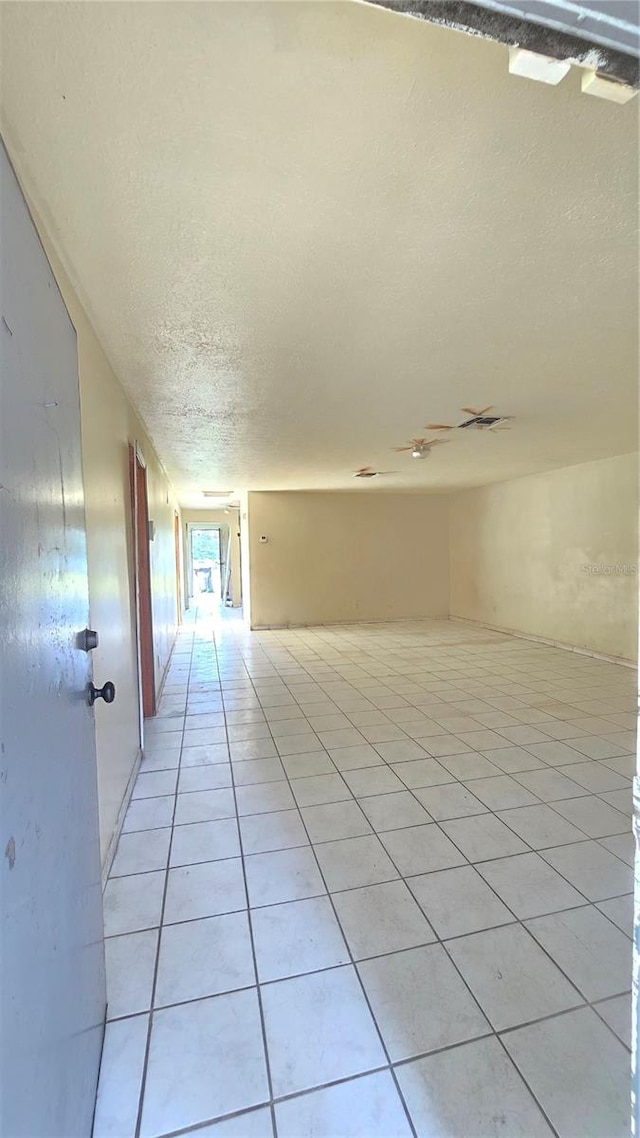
{"type": "Point", "coordinates": [374, 881]}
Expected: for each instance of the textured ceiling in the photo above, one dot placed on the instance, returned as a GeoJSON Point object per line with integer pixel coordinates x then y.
{"type": "Point", "coordinates": [303, 230]}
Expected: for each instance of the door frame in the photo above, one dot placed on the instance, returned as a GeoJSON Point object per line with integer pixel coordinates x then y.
{"type": "Point", "coordinates": [142, 581]}
{"type": "Point", "coordinates": [188, 560]}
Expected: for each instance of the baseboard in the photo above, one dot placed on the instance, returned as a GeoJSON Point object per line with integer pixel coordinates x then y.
{"type": "Point", "coordinates": [117, 829]}
{"type": "Point", "coordinates": [342, 623]}
{"type": "Point", "coordinates": [545, 640]}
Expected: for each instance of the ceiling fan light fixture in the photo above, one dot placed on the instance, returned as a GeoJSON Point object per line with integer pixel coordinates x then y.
{"type": "Point", "coordinates": [420, 452]}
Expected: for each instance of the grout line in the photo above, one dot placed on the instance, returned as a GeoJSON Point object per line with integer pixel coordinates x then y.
{"type": "Point", "coordinates": [145, 1066]}
{"type": "Point", "coordinates": [265, 1047]}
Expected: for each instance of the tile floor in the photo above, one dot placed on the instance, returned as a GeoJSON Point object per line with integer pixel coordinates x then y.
{"type": "Point", "coordinates": [374, 882]}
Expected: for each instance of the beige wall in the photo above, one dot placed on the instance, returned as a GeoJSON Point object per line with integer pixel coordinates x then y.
{"type": "Point", "coordinates": [216, 517]}
{"type": "Point", "coordinates": [109, 424]}
{"type": "Point", "coordinates": [521, 552]}
{"type": "Point", "coordinates": [336, 557]}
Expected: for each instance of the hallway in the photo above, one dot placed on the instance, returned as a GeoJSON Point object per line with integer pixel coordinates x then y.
{"type": "Point", "coordinates": [392, 869]}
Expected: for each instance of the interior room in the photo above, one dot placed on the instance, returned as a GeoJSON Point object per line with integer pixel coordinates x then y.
{"type": "Point", "coordinates": [319, 332]}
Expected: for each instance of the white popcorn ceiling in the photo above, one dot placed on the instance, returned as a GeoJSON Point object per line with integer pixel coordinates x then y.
{"type": "Point", "coordinates": [304, 230]}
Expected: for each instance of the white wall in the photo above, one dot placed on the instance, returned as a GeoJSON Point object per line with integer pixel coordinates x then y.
{"type": "Point", "coordinates": [553, 555]}
{"type": "Point", "coordinates": [334, 557]}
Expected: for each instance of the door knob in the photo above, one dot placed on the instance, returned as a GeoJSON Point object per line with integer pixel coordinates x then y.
{"type": "Point", "coordinates": [87, 640]}
{"type": "Point", "coordinates": [107, 692]}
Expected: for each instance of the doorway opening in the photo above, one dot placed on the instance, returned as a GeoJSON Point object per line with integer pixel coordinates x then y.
{"type": "Point", "coordinates": [206, 564]}
{"type": "Point", "coordinates": [212, 565]}
{"type": "Point", "coordinates": [142, 568]}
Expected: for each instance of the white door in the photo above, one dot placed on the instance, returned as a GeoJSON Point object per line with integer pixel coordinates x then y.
{"type": "Point", "coordinates": [52, 992]}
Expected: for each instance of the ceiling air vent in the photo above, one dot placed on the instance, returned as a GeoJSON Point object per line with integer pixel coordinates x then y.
{"type": "Point", "coordinates": [217, 493]}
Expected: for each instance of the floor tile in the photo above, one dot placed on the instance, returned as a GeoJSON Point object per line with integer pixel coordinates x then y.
{"type": "Point", "coordinates": [320, 789]}
{"type": "Point", "coordinates": [204, 890]}
{"type": "Point", "coordinates": [154, 784]}
{"type": "Point", "coordinates": [482, 837]}
{"type": "Point", "coordinates": [483, 740]}
{"type": "Point", "coordinates": [442, 746]}
{"type": "Point", "coordinates": [469, 766]}
{"type": "Point", "coordinates": [421, 849]}
{"type": "Point", "coordinates": [622, 845]}
{"type": "Point", "coordinates": [458, 901]}
{"type": "Point", "coordinates": [450, 800]}
{"type": "Point", "coordinates": [550, 785]}
{"type": "Point", "coordinates": [203, 958]}
{"type": "Point", "coordinates": [121, 1070]}
{"type": "Point", "coordinates": [592, 1096]}
{"type": "Point", "coordinates": [299, 744]}
{"type": "Point", "coordinates": [353, 758]}
{"type": "Point", "coordinates": [149, 814]}
{"type": "Point", "coordinates": [249, 749]}
{"type": "Point", "coordinates": [400, 751]}
{"type": "Point", "coordinates": [211, 776]}
{"type": "Point", "coordinates": [211, 755]}
{"type": "Point", "coordinates": [501, 792]}
{"type": "Point", "coordinates": [297, 937]}
{"type": "Point", "coordinates": [595, 747]}
{"type": "Point", "coordinates": [130, 964]}
{"type": "Point", "coordinates": [617, 1013]}
{"type": "Point", "coordinates": [369, 781]}
{"type": "Point", "coordinates": [282, 829]}
{"type": "Point", "coordinates": [591, 952]}
{"type": "Point", "coordinates": [594, 817]}
{"type": "Point", "coordinates": [529, 886]}
{"type": "Point", "coordinates": [510, 760]}
{"type": "Point", "coordinates": [264, 797]}
{"type": "Point", "coordinates": [381, 918]}
{"type": "Point", "coordinates": [252, 771]}
{"type": "Point", "coordinates": [141, 851]}
{"type": "Point", "coordinates": [597, 873]}
{"type": "Point", "coordinates": [167, 758]}
{"type": "Point", "coordinates": [319, 1029]}
{"type": "Point", "coordinates": [474, 1090]}
{"type": "Point", "coordinates": [366, 1107]}
{"type": "Point", "coordinates": [133, 903]}
{"type": "Point", "coordinates": [204, 806]}
{"type": "Point", "coordinates": [620, 911]}
{"type": "Point", "coordinates": [205, 841]}
{"type": "Point", "coordinates": [334, 820]}
{"type": "Point", "coordinates": [523, 734]}
{"type": "Point", "coordinates": [284, 875]}
{"type": "Point", "coordinates": [621, 800]}
{"type": "Point", "coordinates": [355, 862]}
{"type": "Point", "coordinates": [206, 1059]}
{"type": "Point", "coordinates": [420, 1002]}
{"type": "Point", "coordinates": [540, 826]}
{"type": "Point", "coordinates": [554, 753]}
{"type": "Point", "coordinates": [424, 772]}
{"type": "Point", "coordinates": [310, 763]}
{"type": "Point", "coordinates": [511, 977]}
{"type": "Point", "coordinates": [393, 811]}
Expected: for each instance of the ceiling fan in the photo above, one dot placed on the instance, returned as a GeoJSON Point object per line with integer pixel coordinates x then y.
{"type": "Point", "coordinates": [479, 420]}
{"type": "Point", "coordinates": [369, 472]}
{"type": "Point", "coordinates": [421, 448]}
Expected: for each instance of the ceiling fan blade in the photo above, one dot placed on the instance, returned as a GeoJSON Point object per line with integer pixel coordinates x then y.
{"type": "Point", "coordinates": [438, 426]}
{"type": "Point", "coordinates": [438, 442]}
{"type": "Point", "coordinates": [399, 450]}
{"type": "Point", "coordinates": [473, 411]}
